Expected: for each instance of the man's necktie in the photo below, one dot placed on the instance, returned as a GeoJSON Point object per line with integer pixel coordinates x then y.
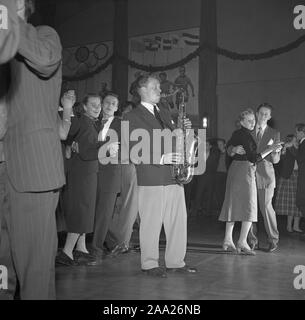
{"type": "Point", "coordinates": [157, 115]}
{"type": "Point", "coordinates": [97, 125]}
{"type": "Point", "coordinates": [259, 134]}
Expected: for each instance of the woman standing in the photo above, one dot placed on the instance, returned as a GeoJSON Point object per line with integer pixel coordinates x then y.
{"type": "Point", "coordinates": [286, 196]}
{"type": "Point", "coordinates": [240, 202]}
{"type": "Point", "coordinates": [82, 183]}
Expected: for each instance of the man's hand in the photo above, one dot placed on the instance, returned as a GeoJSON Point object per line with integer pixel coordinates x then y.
{"type": "Point", "coordinates": [74, 147]}
{"type": "Point", "coordinates": [113, 149]}
{"type": "Point", "coordinates": [173, 158]}
{"type": "Point", "coordinates": [187, 123]}
{"type": "Point", "coordinates": [239, 150]}
{"type": "Point", "coordinates": [68, 151]}
{"type": "Point", "coordinates": [276, 147]}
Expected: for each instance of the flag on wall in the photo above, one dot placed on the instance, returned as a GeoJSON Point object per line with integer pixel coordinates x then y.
{"type": "Point", "coordinates": [191, 39]}
{"type": "Point", "coordinates": [166, 42]}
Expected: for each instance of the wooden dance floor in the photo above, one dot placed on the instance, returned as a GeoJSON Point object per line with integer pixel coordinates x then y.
{"type": "Point", "coordinates": [220, 275]}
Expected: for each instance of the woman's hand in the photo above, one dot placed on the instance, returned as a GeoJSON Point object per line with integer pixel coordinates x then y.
{"type": "Point", "coordinates": [239, 150]}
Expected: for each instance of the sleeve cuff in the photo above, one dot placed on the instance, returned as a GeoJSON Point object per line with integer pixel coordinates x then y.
{"type": "Point", "coordinates": [162, 160]}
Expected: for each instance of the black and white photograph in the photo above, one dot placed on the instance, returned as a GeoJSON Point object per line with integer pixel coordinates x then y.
{"type": "Point", "coordinates": [152, 153]}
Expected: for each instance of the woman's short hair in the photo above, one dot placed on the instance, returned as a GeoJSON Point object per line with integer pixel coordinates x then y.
{"type": "Point", "coordinates": [245, 113]}
{"type": "Point", "coordinates": [90, 95]}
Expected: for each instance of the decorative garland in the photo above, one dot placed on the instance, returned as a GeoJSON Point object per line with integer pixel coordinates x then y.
{"type": "Point", "coordinates": [221, 51]}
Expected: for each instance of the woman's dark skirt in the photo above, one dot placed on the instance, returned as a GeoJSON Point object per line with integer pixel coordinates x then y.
{"type": "Point", "coordinates": [81, 198]}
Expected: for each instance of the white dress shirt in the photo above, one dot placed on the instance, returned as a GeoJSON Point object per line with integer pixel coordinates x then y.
{"type": "Point", "coordinates": [150, 107]}
{"type": "Point", "coordinates": [103, 133]}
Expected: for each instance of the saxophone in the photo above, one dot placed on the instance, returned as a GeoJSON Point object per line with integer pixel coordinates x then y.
{"type": "Point", "coordinates": [184, 172]}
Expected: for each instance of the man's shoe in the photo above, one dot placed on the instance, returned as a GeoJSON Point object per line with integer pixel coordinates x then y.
{"type": "Point", "coordinates": [272, 247]}
{"type": "Point", "coordinates": [65, 260]}
{"type": "Point", "coordinates": [155, 272]}
{"type": "Point", "coordinates": [86, 259]}
{"type": "Point", "coordinates": [185, 269]}
{"type": "Point", "coordinates": [99, 253]}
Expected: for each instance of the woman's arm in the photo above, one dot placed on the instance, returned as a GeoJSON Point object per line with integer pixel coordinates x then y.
{"type": "Point", "coordinates": [64, 124]}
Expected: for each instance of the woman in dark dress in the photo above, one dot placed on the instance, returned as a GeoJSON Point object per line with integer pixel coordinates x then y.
{"type": "Point", "coordinates": [82, 183]}
{"type": "Point", "coordinates": [240, 202]}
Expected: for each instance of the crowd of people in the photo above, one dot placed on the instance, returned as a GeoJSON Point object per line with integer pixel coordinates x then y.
{"type": "Point", "coordinates": [69, 160]}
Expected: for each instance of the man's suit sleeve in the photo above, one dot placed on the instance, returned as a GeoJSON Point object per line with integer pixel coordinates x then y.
{"type": "Point", "coordinates": [9, 38]}
{"type": "Point", "coordinates": [40, 47]}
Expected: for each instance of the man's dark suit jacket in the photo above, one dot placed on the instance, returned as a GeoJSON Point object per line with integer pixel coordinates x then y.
{"type": "Point", "coordinates": [287, 162]}
{"type": "Point", "coordinates": [109, 175]}
{"type": "Point", "coordinates": [9, 38]}
{"type": "Point", "coordinates": [300, 198]}
{"type": "Point", "coordinates": [150, 174]}
{"type": "Point", "coordinates": [32, 145]}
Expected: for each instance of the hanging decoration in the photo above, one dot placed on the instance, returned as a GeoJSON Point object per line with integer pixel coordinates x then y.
{"type": "Point", "coordinates": [157, 43]}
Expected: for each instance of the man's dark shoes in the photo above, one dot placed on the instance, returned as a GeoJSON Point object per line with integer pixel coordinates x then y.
{"type": "Point", "coordinates": [185, 269]}
{"type": "Point", "coordinates": [272, 247]}
{"type": "Point", "coordinates": [155, 272]}
{"type": "Point", "coordinates": [65, 260]}
{"type": "Point", "coordinates": [85, 259]}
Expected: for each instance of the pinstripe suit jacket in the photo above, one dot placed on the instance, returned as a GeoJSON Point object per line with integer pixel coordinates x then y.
{"type": "Point", "coordinates": [9, 37]}
{"type": "Point", "coordinates": [32, 145]}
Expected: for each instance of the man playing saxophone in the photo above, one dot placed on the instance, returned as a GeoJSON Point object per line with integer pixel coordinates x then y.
{"type": "Point", "coordinates": [161, 197]}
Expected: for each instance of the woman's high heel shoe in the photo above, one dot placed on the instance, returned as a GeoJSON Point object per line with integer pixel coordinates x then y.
{"type": "Point", "coordinates": [243, 250]}
{"type": "Point", "coordinates": [229, 246]}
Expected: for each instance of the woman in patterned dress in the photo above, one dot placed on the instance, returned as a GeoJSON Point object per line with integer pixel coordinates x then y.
{"type": "Point", "coordinates": [285, 203]}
